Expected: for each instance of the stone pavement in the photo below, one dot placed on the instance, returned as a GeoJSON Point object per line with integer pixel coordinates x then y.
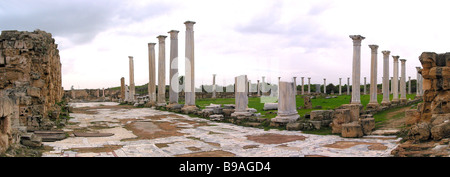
{"type": "Point", "coordinates": [145, 132]}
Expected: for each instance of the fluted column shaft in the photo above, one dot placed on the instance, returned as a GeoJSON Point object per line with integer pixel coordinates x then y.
{"type": "Point", "coordinates": [385, 77]}
{"type": "Point", "coordinates": [151, 73]}
{"type": "Point", "coordinates": [356, 73]}
{"type": "Point", "coordinates": [373, 74]}
{"type": "Point", "coordinates": [132, 89]}
{"type": "Point", "coordinates": [190, 69]}
{"type": "Point", "coordinates": [395, 80]}
{"type": "Point", "coordinates": [403, 80]}
{"type": "Point", "coordinates": [173, 72]}
{"type": "Point", "coordinates": [162, 69]}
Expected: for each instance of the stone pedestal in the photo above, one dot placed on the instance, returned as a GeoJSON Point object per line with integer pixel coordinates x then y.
{"type": "Point", "coordinates": [287, 111]}
{"type": "Point", "coordinates": [385, 101]}
{"type": "Point", "coordinates": [152, 74]}
{"type": "Point", "coordinates": [241, 98]}
{"type": "Point", "coordinates": [356, 72]}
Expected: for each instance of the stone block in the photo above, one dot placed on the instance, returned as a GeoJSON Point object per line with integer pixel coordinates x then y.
{"type": "Point", "coordinates": [216, 117]}
{"type": "Point", "coordinates": [352, 130]}
{"type": "Point", "coordinates": [294, 126]}
{"type": "Point", "coordinates": [412, 116]}
{"type": "Point", "coordinates": [441, 131]}
{"type": "Point", "coordinates": [33, 91]}
{"type": "Point", "coordinates": [228, 112]}
{"type": "Point", "coordinates": [367, 125]}
{"type": "Point", "coordinates": [340, 116]}
{"type": "Point", "coordinates": [355, 110]}
{"type": "Point", "coordinates": [440, 104]}
{"type": "Point", "coordinates": [270, 106]}
{"type": "Point", "coordinates": [316, 124]}
{"type": "Point", "coordinates": [420, 131]}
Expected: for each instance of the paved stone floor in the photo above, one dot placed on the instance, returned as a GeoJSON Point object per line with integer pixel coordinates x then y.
{"type": "Point", "coordinates": [145, 132]}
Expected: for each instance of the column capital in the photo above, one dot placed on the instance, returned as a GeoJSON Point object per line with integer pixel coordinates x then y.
{"type": "Point", "coordinates": [386, 52]}
{"type": "Point", "coordinates": [161, 38]}
{"type": "Point", "coordinates": [151, 44]}
{"type": "Point", "coordinates": [214, 75]}
{"type": "Point", "coordinates": [357, 39]}
{"type": "Point", "coordinates": [309, 78]}
{"type": "Point", "coordinates": [189, 25]}
{"type": "Point", "coordinates": [403, 60]}
{"type": "Point", "coordinates": [373, 47]}
{"type": "Point", "coordinates": [173, 34]}
{"type": "Point", "coordinates": [130, 57]}
{"type": "Point", "coordinates": [395, 58]}
{"type": "Point", "coordinates": [302, 77]}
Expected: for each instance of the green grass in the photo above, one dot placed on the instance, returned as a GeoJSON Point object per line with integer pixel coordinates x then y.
{"type": "Point", "coordinates": [381, 117]}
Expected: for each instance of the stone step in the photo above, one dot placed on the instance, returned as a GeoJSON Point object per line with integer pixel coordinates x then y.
{"type": "Point", "coordinates": [51, 136]}
{"type": "Point", "coordinates": [385, 132]}
{"type": "Point", "coordinates": [84, 134]}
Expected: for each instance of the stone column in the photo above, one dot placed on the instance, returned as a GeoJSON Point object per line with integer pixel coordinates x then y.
{"type": "Point", "coordinates": [241, 98]}
{"type": "Point", "coordinates": [190, 69]}
{"type": "Point", "coordinates": [303, 86]}
{"type": "Point", "coordinates": [132, 90]}
{"type": "Point", "coordinates": [161, 70]}
{"type": "Point", "coordinates": [309, 85]}
{"type": "Point", "coordinates": [258, 88]}
{"type": "Point", "coordinates": [373, 103]}
{"type": "Point", "coordinates": [395, 81]}
{"type": "Point", "coordinates": [295, 85]}
{"type": "Point", "coordinates": [418, 82]}
{"type": "Point", "coordinates": [385, 101]}
{"type": "Point", "coordinates": [403, 81]}
{"type": "Point", "coordinates": [122, 89]}
{"type": "Point", "coordinates": [127, 93]}
{"type": "Point", "coordinates": [392, 84]}
{"type": "Point", "coordinates": [324, 85]}
{"type": "Point", "coordinates": [103, 94]}
{"type": "Point", "coordinates": [263, 85]}
{"type": "Point", "coordinates": [173, 73]}
{"type": "Point", "coordinates": [365, 83]}
{"type": "Point", "coordinates": [356, 73]}
{"type": "Point", "coordinates": [151, 74]}
{"type": "Point", "coordinates": [214, 86]}
{"type": "Point", "coordinates": [340, 86]}
{"type": "Point", "coordinates": [348, 86]}
{"type": "Point", "coordinates": [409, 84]}
{"type": "Point", "coordinates": [287, 111]}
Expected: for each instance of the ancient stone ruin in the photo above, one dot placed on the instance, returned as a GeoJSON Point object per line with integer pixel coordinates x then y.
{"type": "Point", "coordinates": [432, 118]}
{"type": "Point", "coordinates": [30, 83]}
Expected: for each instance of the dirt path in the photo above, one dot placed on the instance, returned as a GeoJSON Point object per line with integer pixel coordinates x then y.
{"type": "Point", "coordinates": [392, 122]}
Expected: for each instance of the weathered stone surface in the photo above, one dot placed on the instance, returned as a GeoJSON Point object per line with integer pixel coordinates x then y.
{"type": "Point", "coordinates": [368, 125]}
{"type": "Point", "coordinates": [352, 130]}
{"type": "Point", "coordinates": [441, 130]}
{"type": "Point", "coordinates": [294, 126]}
{"type": "Point", "coordinates": [340, 116]}
{"type": "Point", "coordinates": [412, 116]}
{"type": "Point", "coordinates": [216, 117]}
{"type": "Point", "coordinates": [6, 110]}
{"type": "Point", "coordinates": [227, 112]}
{"type": "Point", "coordinates": [319, 115]}
{"type": "Point", "coordinates": [355, 110]}
{"type": "Point", "coordinates": [420, 131]}
{"type": "Point", "coordinates": [307, 102]}
{"type": "Point", "coordinates": [316, 124]}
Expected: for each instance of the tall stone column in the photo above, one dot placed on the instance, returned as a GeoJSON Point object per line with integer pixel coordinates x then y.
{"type": "Point", "coordinates": [189, 105]}
{"type": "Point", "coordinates": [365, 83]}
{"type": "Point", "coordinates": [287, 111]}
{"type": "Point", "coordinates": [132, 89]}
{"type": "Point", "coordinates": [373, 103]}
{"type": "Point", "coordinates": [418, 82]}
{"type": "Point", "coordinates": [385, 101]}
{"type": "Point", "coordinates": [356, 73]}
{"type": "Point", "coordinates": [340, 86]}
{"type": "Point", "coordinates": [395, 81]}
{"type": "Point", "coordinates": [409, 84]}
{"type": "Point", "coordinates": [295, 85]}
{"type": "Point", "coordinates": [161, 70]}
{"type": "Point", "coordinates": [403, 81]}
{"type": "Point", "coordinates": [309, 85]}
{"type": "Point", "coordinates": [324, 85]}
{"type": "Point", "coordinates": [122, 89]}
{"type": "Point", "coordinates": [392, 84]}
{"type": "Point", "coordinates": [348, 86]}
{"type": "Point", "coordinates": [173, 73]}
{"type": "Point", "coordinates": [303, 86]}
{"type": "Point", "coordinates": [214, 86]}
{"type": "Point", "coordinates": [151, 74]}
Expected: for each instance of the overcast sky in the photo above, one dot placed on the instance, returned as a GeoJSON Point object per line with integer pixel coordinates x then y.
{"type": "Point", "coordinates": [269, 38]}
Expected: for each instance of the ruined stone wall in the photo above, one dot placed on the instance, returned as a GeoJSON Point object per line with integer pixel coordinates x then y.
{"type": "Point", "coordinates": [30, 75]}
{"type": "Point", "coordinates": [91, 95]}
{"type": "Point", "coordinates": [434, 113]}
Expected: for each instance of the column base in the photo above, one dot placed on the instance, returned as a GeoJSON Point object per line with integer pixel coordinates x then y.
{"type": "Point", "coordinates": [385, 103]}
{"type": "Point", "coordinates": [372, 106]}
{"type": "Point", "coordinates": [281, 120]}
{"type": "Point", "coordinates": [403, 100]}
{"type": "Point", "coordinates": [241, 115]}
{"type": "Point", "coordinates": [189, 109]}
{"type": "Point", "coordinates": [395, 101]}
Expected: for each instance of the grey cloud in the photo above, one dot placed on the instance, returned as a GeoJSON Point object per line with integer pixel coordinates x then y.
{"type": "Point", "coordinates": [80, 21]}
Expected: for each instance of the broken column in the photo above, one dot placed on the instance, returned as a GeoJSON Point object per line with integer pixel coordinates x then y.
{"type": "Point", "coordinates": [403, 81]}
{"type": "Point", "coordinates": [152, 74]}
{"type": "Point", "coordinates": [214, 86]}
{"type": "Point", "coordinates": [122, 89]}
{"type": "Point", "coordinates": [161, 71]}
{"type": "Point", "coordinates": [385, 101]}
{"type": "Point", "coordinates": [241, 98]}
{"type": "Point", "coordinates": [373, 103]}
{"type": "Point", "coordinates": [173, 75]}
{"type": "Point", "coordinates": [394, 83]}
{"type": "Point", "coordinates": [287, 111]}
{"type": "Point", "coordinates": [132, 89]}
{"type": "Point", "coordinates": [309, 85]}
{"type": "Point", "coordinates": [189, 105]}
{"type": "Point", "coordinates": [356, 72]}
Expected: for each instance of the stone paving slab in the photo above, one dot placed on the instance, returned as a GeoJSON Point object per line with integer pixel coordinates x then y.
{"type": "Point", "coordinates": [208, 138]}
